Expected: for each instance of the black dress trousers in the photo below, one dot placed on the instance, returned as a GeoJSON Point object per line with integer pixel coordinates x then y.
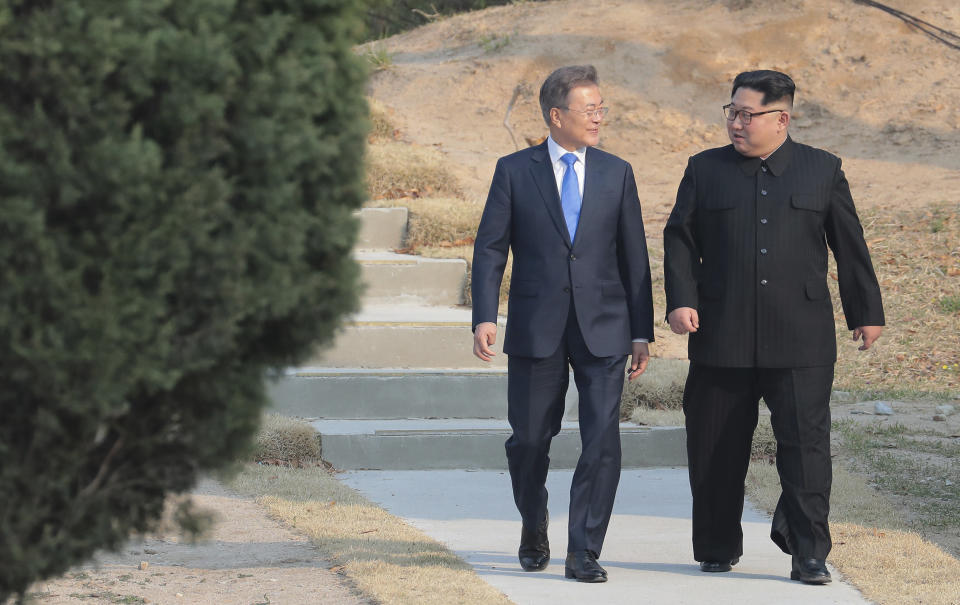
{"type": "Point", "coordinates": [721, 409]}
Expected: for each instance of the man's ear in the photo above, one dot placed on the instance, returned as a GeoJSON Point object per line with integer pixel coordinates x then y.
{"type": "Point", "coordinates": [785, 119]}
{"type": "Point", "coordinates": [555, 117]}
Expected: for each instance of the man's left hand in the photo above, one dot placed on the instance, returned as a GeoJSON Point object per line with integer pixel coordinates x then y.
{"type": "Point", "coordinates": [641, 355]}
{"type": "Point", "coordinates": [869, 335]}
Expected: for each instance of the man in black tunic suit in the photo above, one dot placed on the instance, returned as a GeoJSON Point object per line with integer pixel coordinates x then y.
{"type": "Point", "coordinates": [745, 268]}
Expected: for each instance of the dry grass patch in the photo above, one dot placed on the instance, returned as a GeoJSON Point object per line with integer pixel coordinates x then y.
{"type": "Point", "coordinates": [382, 127]}
{"type": "Point", "coordinates": [890, 566]}
{"type": "Point", "coordinates": [852, 500]}
{"type": "Point", "coordinates": [652, 417]}
{"type": "Point", "coordinates": [659, 389]}
{"type": "Point", "coordinates": [895, 568]}
{"type": "Point", "coordinates": [382, 556]}
{"type": "Point", "coordinates": [764, 445]}
{"type": "Point", "coordinates": [396, 170]}
{"type": "Point", "coordinates": [440, 222]}
{"type": "Point", "coordinates": [916, 253]}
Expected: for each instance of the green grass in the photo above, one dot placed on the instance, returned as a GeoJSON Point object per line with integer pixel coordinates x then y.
{"type": "Point", "coordinates": [950, 304]}
{"type": "Point", "coordinates": [378, 56]}
{"type": "Point", "coordinates": [493, 42]}
{"type": "Point", "coordinates": [900, 394]}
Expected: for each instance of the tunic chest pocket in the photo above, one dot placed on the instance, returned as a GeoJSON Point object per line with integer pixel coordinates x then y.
{"type": "Point", "coordinates": [809, 201]}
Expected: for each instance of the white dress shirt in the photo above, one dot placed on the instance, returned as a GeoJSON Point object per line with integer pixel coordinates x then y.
{"type": "Point", "coordinates": [560, 167]}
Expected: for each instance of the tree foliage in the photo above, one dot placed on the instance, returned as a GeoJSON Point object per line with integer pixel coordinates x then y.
{"type": "Point", "coordinates": [176, 185]}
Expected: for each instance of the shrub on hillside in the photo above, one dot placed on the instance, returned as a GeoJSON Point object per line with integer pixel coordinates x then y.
{"type": "Point", "coordinates": [177, 181]}
{"type": "Point", "coordinates": [286, 441]}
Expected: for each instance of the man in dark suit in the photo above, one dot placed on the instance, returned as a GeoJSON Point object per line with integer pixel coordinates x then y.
{"type": "Point", "coordinates": [580, 296]}
{"type": "Point", "coordinates": [746, 276]}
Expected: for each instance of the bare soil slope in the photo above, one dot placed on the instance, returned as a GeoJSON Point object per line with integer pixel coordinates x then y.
{"type": "Point", "coordinates": [875, 91]}
{"type": "Point", "coordinates": [870, 88]}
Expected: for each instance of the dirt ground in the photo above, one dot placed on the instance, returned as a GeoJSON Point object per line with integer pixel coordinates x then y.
{"type": "Point", "coordinates": [876, 92]}
{"type": "Point", "coordinates": [248, 559]}
{"type": "Point", "coordinates": [917, 450]}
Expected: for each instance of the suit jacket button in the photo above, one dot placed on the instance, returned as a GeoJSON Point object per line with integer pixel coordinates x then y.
{"type": "Point", "coordinates": [572, 257]}
{"type": "Point", "coordinates": [763, 221]}
{"type": "Point", "coordinates": [566, 289]}
{"type": "Point", "coordinates": [763, 192]}
{"type": "Point", "coordinates": [763, 250]}
{"type": "Point", "coordinates": [763, 282]}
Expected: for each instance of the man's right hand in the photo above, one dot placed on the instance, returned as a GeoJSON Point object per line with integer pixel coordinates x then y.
{"type": "Point", "coordinates": [484, 335]}
{"type": "Point", "coordinates": [683, 320]}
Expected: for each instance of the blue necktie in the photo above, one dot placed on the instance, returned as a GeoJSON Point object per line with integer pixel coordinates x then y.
{"type": "Point", "coordinates": [570, 195]}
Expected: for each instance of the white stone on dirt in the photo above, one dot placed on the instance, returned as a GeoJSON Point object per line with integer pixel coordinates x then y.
{"type": "Point", "coordinates": [882, 408]}
{"type": "Point", "coordinates": [945, 409]}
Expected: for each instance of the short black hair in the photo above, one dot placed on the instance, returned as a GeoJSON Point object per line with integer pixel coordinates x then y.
{"type": "Point", "coordinates": [558, 85]}
{"type": "Point", "coordinates": [773, 84]}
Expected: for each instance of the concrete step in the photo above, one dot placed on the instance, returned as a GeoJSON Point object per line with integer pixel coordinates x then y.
{"type": "Point", "coordinates": [409, 279]}
{"type": "Point", "coordinates": [382, 228]}
{"type": "Point", "coordinates": [475, 444]}
{"type": "Point", "coordinates": [396, 393]}
{"type": "Point", "coordinates": [406, 336]}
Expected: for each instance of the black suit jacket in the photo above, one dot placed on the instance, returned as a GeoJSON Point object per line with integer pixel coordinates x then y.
{"type": "Point", "coordinates": [605, 272]}
{"type": "Point", "coordinates": [747, 248]}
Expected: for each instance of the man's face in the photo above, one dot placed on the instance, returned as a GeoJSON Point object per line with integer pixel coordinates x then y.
{"type": "Point", "coordinates": [764, 133]}
{"type": "Point", "coordinates": [573, 127]}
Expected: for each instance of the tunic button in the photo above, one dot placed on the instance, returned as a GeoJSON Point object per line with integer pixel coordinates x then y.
{"type": "Point", "coordinates": [566, 289]}
{"type": "Point", "coordinates": [763, 282]}
{"type": "Point", "coordinates": [573, 257]}
{"type": "Point", "coordinates": [763, 168]}
{"type": "Point", "coordinates": [763, 221]}
{"type": "Point", "coordinates": [763, 192]}
{"type": "Point", "coordinates": [763, 250]}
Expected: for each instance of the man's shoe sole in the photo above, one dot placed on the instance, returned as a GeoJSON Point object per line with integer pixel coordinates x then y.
{"type": "Point", "coordinates": [718, 566]}
{"type": "Point", "coordinates": [795, 575]}
{"type": "Point", "coordinates": [568, 573]}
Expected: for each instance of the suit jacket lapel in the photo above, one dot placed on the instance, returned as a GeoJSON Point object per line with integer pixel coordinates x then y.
{"type": "Point", "coordinates": [546, 182]}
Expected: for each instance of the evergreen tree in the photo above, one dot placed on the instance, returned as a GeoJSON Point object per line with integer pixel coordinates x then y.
{"type": "Point", "coordinates": [176, 185]}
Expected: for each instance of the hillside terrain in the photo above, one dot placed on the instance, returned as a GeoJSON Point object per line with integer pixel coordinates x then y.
{"type": "Point", "coordinates": [872, 89]}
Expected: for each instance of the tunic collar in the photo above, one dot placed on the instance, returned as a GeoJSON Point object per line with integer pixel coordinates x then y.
{"type": "Point", "coordinates": [777, 162]}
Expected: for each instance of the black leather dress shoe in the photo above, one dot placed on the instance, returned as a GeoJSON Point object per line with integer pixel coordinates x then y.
{"type": "Point", "coordinates": [810, 571]}
{"type": "Point", "coordinates": [715, 566]}
{"type": "Point", "coordinates": [583, 566]}
{"type": "Point", "coordinates": [534, 550]}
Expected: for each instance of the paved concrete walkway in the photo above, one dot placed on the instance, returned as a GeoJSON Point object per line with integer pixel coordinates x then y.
{"type": "Point", "coordinates": [647, 552]}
